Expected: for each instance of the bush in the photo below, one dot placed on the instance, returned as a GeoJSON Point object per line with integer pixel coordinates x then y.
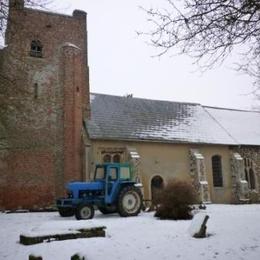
{"type": "Point", "coordinates": [175, 200]}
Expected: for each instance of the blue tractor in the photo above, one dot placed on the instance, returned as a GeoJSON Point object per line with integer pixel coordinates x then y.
{"type": "Point", "coordinates": [112, 190]}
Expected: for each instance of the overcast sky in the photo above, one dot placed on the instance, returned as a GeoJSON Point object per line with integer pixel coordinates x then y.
{"type": "Point", "coordinates": [121, 62]}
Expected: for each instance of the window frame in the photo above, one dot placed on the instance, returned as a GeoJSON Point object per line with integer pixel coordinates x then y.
{"type": "Point", "coordinates": [217, 171]}
{"type": "Point", "coordinates": [36, 49]}
{"type": "Point", "coordinates": [111, 157]}
{"type": "Point", "coordinates": [107, 158]}
{"type": "Point", "coordinates": [250, 175]}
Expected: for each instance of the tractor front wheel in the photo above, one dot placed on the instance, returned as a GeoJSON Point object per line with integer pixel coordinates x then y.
{"type": "Point", "coordinates": [84, 212]}
{"type": "Point", "coordinates": [129, 201]}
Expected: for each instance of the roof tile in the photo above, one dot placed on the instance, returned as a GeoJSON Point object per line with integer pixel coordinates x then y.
{"type": "Point", "coordinates": [122, 118]}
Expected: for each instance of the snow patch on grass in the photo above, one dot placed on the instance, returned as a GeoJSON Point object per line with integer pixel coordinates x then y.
{"type": "Point", "coordinates": [234, 234]}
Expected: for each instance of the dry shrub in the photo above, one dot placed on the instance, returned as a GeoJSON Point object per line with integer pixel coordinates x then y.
{"type": "Point", "coordinates": [175, 200]}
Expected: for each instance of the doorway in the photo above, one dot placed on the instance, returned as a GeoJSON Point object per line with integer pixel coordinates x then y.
{"type": "Point", "coordinates": [156, 185]}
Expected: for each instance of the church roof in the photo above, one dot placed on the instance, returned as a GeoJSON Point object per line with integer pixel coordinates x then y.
{"type": "Point", "coordinates": [136, 119]}
{"type": "Point", "coordinates": [243, 126]}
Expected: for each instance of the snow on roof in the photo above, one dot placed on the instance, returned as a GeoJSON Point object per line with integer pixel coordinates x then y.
{"type": "Point", "coordinates": [243, 126]}
{"type": "Point", "coordinates": [127, 118]}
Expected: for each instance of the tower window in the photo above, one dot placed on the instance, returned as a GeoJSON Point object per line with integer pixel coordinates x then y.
{"type": "Point", "coordinates": [36, 49]}
{"type": "Point", "coordinates": [36, 90]}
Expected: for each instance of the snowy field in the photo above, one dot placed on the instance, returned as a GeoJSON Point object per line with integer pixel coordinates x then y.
{"type": "Point", "coordinates": [234, 233]}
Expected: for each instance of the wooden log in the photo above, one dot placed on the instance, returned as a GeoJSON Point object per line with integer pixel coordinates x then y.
{"type": "Point", "coordinates": [80, 233]}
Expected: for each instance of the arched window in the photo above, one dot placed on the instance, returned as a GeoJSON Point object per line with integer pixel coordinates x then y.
{"type": "Point", "coordinates": [107, 158]}
{"type": "Point", "coordinates": [116, 158]}
{"type": "Point", "coordinates": [245, 162]}
{"type": "Point", "coordinates": [249, 173]}
{"type": "Point", "coordinates": [251, 179]}
{"type": "Point", "coordinates": [217, 171]}
{"type": "Point", "coordinates": [36, 49]}
{"type": "Point", "coordinates": [246, 175]}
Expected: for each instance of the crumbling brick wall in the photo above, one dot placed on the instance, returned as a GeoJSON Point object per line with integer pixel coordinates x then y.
{"type": "Point", "coordinates": [49, 101]}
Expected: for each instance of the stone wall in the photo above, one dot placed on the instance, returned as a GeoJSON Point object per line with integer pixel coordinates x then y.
{"type": "Point", "coordinates": [199, 176]}
{"type": "Point", "coordinates": [252, 153]}
{"type": "Point", "coordinates": [240, 191]}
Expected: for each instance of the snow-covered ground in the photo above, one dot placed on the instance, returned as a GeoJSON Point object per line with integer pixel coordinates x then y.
{"type": "Point", "coordinates": [234, 233]}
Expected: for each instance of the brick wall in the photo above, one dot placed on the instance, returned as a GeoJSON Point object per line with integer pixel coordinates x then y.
{"type": "Point", "coordinates": [30, 179]}
{"type": "Point", "coordinates": [49, 100]}
{"type": "Point", "coordinates": [73, 118]}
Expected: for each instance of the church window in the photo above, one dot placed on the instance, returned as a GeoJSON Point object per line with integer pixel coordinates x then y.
{"type": "Point", "coordinates": [111, 158]}
{"type": "Point", "coordinates": [36, 49]}
{"type": "Point", "coordinates": [251, 179]}
{"type": "Point", "coordinates": [246, 175]}
{"type": "Point", "coordinates": [217, 171]}
{"type": "Point", "coordinates": [107, 158]}
{"type": "Point", "coordinates": [250, 174]}
{"type": "Point", "coordinates": [116, 158]}
{"type": "Point", "coordinates": [112, 155]}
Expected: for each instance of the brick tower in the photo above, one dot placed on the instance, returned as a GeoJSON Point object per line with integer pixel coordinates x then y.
{"type": "Point", "coordinates": [45, 65]}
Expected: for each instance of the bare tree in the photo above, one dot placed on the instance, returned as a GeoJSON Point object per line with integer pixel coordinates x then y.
{"type": "Point", "coordinates": [6, 4]}
{"type": "Point", "coordinates": [3, 15]}
{"type": "Point", "coordinates": [209, 30]}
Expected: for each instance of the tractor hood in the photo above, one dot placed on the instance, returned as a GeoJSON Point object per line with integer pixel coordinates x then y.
{"type": "Point", "coordinates": [93, 185]}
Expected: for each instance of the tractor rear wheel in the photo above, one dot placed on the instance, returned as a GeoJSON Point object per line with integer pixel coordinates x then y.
{"type": "Point", "coordinates": [107, 209]}
{"type": "Point", "coordinates": [84, 212]}
{"type": "Point", "coordinates": [66, 212]}
{"type": "Point", "coordinates": [129, 201]}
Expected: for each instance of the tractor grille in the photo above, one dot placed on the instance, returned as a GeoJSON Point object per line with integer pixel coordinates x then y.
{"type": "Point", "coordinates": [67, 202]}
{"type": "Point", "coordinates": [90, 193]}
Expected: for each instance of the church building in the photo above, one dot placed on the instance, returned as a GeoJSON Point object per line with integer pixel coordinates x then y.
{"type": "Point", "coordinates": [54, 131]}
